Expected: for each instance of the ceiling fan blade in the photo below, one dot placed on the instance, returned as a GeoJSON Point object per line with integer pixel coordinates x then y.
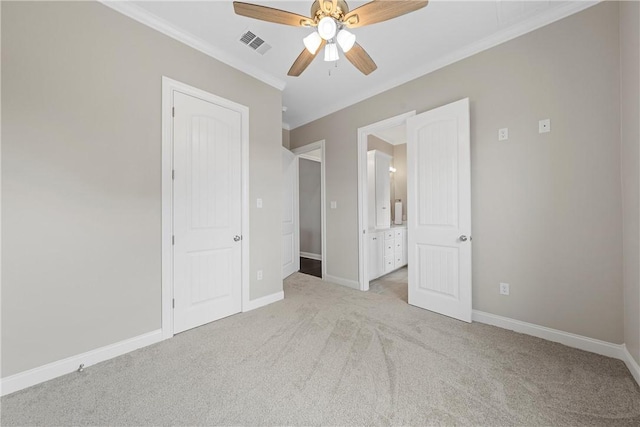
{"type": "Point", "coordinates": [303, 60]}
{"type": "Point", "coordinates": [380, 10]}
{"type": "Point", "coordinates": [270, 14]}
{"type": "Point", "coordinates": [361, 59]}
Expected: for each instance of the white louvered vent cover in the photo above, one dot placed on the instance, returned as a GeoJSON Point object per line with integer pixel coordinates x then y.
{"type": "Point", "coordinates": [255, 42]}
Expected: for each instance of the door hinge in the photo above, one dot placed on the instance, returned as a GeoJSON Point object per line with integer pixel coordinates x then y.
{"type": "Point", "coordinates": [173, 111]}
{"type": "Point", "coordinates": [173, 174]}
{"type": "Point", "coordinates": [173, 240]}
{"type": "Point", "coordinates": [173, 303]}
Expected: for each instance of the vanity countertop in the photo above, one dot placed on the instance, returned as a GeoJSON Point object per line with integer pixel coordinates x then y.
{"type": "Point", "coordinates": [404, 225]}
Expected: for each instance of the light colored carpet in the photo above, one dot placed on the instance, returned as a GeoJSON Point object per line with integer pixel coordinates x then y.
{"type": "Point", "coordinates": [334, 356]}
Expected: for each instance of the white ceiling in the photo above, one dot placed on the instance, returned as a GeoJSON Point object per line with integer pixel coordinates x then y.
{"type": "Point", "coordinates": [403, 48]}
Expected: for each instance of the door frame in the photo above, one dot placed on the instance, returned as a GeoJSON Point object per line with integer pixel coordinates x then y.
{"type": "Point", "coordinates": [169, 86]}
{"type": "Point", "coordinates": [363, 198]}
{"type": "Point", "coordinates": [300, 152]}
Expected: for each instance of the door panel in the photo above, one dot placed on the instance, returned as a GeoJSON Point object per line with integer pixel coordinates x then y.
{"type": "Point", "coordinates": [207, 212]}
{"type": "Point", "coordinates": [290, 223]}
{"type": "Point", "coordinates": [438, 183]}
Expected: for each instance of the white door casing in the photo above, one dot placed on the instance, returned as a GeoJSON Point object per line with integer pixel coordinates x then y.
{"type": "Point", "coordinates": [207, 212]}
{"type": "Point", "coordinates": [290, 220]}
{"type": "Point", "coordinates": [439, 210]}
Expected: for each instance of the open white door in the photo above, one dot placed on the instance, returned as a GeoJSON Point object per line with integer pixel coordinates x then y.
{"type": "Point", "coordinates": [439, 210]}
{"type": "Point", "coordinates": [290, 224]}
{"type": "Point", "coordinates": [207, 212]}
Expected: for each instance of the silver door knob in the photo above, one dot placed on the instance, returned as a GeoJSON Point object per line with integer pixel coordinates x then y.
{"type": "Point", "coordinates": [463, 238]}
{"type": "Point", "coordinates": [236, 239]}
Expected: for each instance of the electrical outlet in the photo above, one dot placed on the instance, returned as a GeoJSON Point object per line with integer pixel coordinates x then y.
{"type": "Point", "coordinates": [334, 205]}
{"type": "Point", "coordinates": [504, 289]}
{"type": "Point", "coordinates": [503, 134]}
{"type": "Point", "coordinates": [259, 274]}
{"type": "Point", "coordinates": [259, 203]}
{"type": "Point", "coordinates": [544, 126]}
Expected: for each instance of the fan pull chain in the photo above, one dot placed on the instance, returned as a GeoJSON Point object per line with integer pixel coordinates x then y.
{"type": "Point", "coordinates": [335, 66]}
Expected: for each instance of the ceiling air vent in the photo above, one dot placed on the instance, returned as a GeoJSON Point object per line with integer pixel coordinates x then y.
{"type": "Point", "coordinates": [255, 42]}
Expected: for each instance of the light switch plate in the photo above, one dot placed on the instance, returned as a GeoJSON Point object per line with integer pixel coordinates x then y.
{"type": "Point", "coordinates": [259, 203]}
{"type": "Point", "coordinates": [334, 205]}
{"type": "Point", "coordinates": [544, 126]}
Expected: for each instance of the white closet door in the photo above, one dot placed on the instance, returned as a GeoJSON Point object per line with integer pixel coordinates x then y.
{"type": "Point", "coordinates": [207, 212]}
{"type": "Point", "coordinates": [290, 223]}
{"type": "Point", "coordinates": [439, 226]}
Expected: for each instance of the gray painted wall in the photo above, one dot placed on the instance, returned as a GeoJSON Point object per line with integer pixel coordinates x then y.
{"type": "Point", "coordinates": [375, 143]}
{"type": "Point", "coordinates": [310, 210]}
{"type": "Point", "coordinates": [630, 155]}
{"type": "Point", "coordinates": [546, 207]}
{"type": "Point", "coordinates": [81, 133]}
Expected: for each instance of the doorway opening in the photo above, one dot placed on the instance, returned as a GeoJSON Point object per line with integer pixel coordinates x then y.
{"type": "Point", "coordinates": [311, 200]}
{"type": "Point", "coordinates": [309, 192]}
{"type": "Point", "coordinates": [381, 160]}
{"type": "Point", "coordinates": [437, 234]}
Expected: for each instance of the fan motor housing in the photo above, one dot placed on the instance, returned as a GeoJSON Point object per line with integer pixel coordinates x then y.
{"type": "Point", "coordinates": [341, 9]}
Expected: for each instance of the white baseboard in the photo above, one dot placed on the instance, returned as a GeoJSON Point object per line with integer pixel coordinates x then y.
{"type": "Point", "coordinates": [317, 257]}
{"type": "Point", "coordinates": [616, 351]}
{"type": "Point", "coordinates": [344, 282]}
{"type": "Point", "coordinates": [53, 370]}
{"type": "Point", "coordinates": [631, 363]}
{"type": "Point", "coordinates": [261, 302]}
{"type": "Point", "coordinates": [572, 340]}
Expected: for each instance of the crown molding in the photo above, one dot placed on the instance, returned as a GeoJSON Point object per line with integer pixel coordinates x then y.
{"type": "Point", "coordinates": [150, 20]}
{"type": "Point", "coordinates": [495, 39]}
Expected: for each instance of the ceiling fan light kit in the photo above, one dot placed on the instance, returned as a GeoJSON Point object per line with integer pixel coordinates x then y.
{"type": "Point", "coordinates": [330, 17]}
{"type": "Point", "coordinates": [331, 52]}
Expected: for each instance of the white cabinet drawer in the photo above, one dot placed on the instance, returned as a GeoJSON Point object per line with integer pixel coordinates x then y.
{"type": "Point", "coordinates": [389, 263]}
{"type": "Point", "coordinates": [388, 249]}
{"type": "Point", "coordinates": [398, 261]}
{"type": "Point", "coordinates": [388, 235]}
{"type": "Point", "coordinates": [398, 233]}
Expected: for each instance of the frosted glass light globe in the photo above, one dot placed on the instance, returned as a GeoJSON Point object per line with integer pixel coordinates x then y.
{"type": "Point", "coordinates": [327, 28]}
{"type": "Point", "coordinates": [312, 42]}
{"type": "Point", "coordinates": [346, 40]}
{"type": "Point", "coordinates": [331, 52]}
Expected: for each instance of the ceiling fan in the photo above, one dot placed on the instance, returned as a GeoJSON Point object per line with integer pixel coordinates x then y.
{"type": "Point", "coordinates": [331, 18]}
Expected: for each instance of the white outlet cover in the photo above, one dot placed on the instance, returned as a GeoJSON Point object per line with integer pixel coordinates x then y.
{"type": "Point", "coordinates": [503, 134]}
{"type": "Point", "coordinates": [544, 126]}
{"type": "Point", "coordinates": [504, 289]}
{"type": "Point", "coordinates": [334, 205]}
{"type": "Point", "coordinates": [259, 203]}
{"type": "Point", "coordinates": [259, 274]}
